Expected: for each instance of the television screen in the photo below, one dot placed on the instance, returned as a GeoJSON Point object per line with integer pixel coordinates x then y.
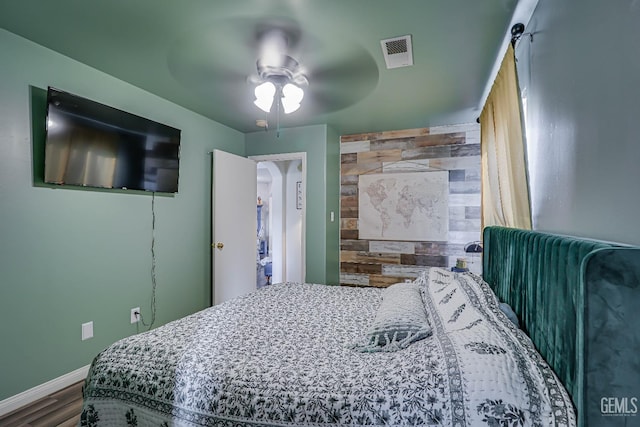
{"type": "Point", "coordinates": [93, 145]}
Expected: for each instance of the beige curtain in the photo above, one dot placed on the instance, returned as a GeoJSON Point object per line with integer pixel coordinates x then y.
{"type": "Point", "coordinates": [505, 191]}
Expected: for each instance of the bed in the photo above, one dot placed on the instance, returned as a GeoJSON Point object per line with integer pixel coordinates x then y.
{"type": "Point", "coordinates": [307, 354]}
{"type": "Point", "coordinates": [577, 299]}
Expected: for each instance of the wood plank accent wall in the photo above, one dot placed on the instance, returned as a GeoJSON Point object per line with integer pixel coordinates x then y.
{"type": "Point", "coordinates": [455, 149]}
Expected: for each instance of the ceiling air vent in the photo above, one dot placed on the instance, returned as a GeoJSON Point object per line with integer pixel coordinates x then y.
{"type": "Point", "coordinates": [397, 52]}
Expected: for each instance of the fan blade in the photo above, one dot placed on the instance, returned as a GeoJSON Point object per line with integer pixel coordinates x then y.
{"type": "Point", "coordinates": [234, 45]}
{"type": "Point", "coordinates": [333, 87]}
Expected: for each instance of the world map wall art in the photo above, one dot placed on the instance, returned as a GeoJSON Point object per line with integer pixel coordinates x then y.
{"type": "Point", "coordinates": [404, 206]}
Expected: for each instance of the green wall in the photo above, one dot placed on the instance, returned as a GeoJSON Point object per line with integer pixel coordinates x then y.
{"type": "Point", "coordinates": [70, 256]}
{"type": "Point", "coordinates": [333, 205]}
{"type": "Point", "coordinates": [73, 256]}
{"type": "Point", "coordinates": [322, 147]}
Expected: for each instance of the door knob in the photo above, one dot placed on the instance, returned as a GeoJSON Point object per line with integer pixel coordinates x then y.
{"type": "Point", "coordinates": [220, 245]}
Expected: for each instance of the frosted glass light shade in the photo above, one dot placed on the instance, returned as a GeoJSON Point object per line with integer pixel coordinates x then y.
{"type": "Point", "coordinates": [264, 104]}
{"type": "Point", "coordinates": [288, 106]}
{"type": "Point", "coordinates": [292, 96]}
{"type": "Point", "coordinates": [264, 96]}
{"type": "Point", "coordinates": [293, 92]}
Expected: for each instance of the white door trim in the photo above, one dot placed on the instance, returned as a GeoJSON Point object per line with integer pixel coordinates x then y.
{"type": "Point", "coordinates": [302, 156]}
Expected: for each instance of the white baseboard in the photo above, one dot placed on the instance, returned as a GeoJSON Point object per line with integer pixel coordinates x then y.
{"type": "Point", "coordinates": [38, 392]}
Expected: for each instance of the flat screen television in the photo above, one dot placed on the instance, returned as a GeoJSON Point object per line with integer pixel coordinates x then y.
{"type": "Point", "coordinates": [89, 144]}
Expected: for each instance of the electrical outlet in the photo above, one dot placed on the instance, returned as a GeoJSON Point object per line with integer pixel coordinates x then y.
{"type": "Point", "coordinates": [135, 315]}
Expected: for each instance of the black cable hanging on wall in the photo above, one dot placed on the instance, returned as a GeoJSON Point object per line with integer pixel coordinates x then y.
{"type": "Point", "coordinates": [153, 265]}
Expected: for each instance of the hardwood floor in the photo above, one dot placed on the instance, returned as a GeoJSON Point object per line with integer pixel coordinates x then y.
{"type": "Point", "coordinates": [60, 409]}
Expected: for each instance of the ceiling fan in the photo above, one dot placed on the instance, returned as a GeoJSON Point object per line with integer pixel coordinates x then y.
{"type": "Point", "coordinates": [242, 53]}
{"type": "Point", "coordinates": [280, 77]}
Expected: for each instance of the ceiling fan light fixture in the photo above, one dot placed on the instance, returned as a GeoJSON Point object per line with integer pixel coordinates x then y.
{"type": "Point", "coordinates": [288, 106]}
{"type": "Point", "coordinates": [291, 97]}
{"type": "Point", "coordinates": [293, 93]}
{"type": "Point", "coordinates": [265, 93]}
{"type": "Point", "coordinates": [264, 104]}
{"type": "Point", "coordinates": [281, 77]}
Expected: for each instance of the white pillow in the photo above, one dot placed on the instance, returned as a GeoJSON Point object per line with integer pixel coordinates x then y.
{"type": "Point", "coordinates": [400, 320]}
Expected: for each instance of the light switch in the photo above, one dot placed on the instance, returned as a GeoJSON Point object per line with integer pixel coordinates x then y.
{"type": "Point", "coordinates": [87, 330]}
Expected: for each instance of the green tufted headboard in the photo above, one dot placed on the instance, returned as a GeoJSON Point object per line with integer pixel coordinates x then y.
{"type": "Point", "coordinates": [578, 300]}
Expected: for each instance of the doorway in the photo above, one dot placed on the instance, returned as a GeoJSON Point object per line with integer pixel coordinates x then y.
{"type": "Point", "coordinates": [280, 248]}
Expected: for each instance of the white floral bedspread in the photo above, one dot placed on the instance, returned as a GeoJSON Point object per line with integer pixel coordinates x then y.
{"type": "Point", "coordinates": [280, 357]}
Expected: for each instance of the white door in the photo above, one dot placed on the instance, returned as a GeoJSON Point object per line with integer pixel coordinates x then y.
{"type": "Point", "coordinates": [234, 226]}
